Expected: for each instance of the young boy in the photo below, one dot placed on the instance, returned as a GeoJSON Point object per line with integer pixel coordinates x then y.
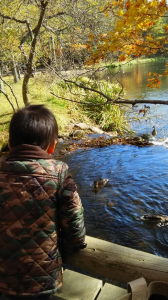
{"type": "Point", "coordinates": [40, 210]}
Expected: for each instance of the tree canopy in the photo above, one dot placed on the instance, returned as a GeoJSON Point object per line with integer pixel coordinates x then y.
{"type": "Point", "coordinates": [60, 34]}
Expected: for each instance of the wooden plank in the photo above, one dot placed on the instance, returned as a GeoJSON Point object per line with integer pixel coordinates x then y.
{"type": "Point", "coordinates": [77, 286]}
{"type": "Point", "coordinates": [111, 292]}
{"type": "Point", "coordinates": [118, 263]}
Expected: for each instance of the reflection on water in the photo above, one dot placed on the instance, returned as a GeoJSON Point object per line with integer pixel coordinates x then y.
{"type": "Point", "coordinates": [134, 79]}
{"type": "Point", "coordinates": [138, 177]}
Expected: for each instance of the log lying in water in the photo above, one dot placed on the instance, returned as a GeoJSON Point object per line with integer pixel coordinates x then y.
{"type": "Point", "coordinates": [118, 263]}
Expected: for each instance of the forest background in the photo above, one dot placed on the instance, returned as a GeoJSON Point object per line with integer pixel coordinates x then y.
{"type": "Point", "coordinates": [55, 49]}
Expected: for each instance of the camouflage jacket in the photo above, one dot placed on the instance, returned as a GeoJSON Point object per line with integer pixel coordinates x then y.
{"type": "Point", "coordinates": [40, 210]}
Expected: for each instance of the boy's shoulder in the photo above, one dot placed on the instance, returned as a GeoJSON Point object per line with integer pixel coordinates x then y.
{"type": "Point", "coordinates": [40, 166]}
{"type": "Point", "coordinates": [53, 165]}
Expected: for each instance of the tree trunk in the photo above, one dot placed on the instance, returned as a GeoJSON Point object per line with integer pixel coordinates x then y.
{"type": "Point", "coordinates": [18, 72]}
{"type": "Point", "coordinates": [14, 71]}
{"type": "Point", "coordinates": [54, 61]}
{"type": "Point", "coordinates": [29, 70]}
{"type": "Point", "coordinates": [1, 82]}
{"type": "Point", "coordinates": [60, 54]}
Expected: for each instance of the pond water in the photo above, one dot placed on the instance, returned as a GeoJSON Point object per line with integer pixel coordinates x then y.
{"type": "Point", "coordinates": [138, 177]}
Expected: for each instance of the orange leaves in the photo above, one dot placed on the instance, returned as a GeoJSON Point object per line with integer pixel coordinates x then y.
{"type": "Point", "coordinates": [162, 3]}
{"type": "Point", "coordinates": [150, 23]}
{"type": "Point", "coordinates": [122, 57]}
{"type": "Point", "coordinates": [165, 73]}
{"type": "Point", "coordinates": [153, 82]}
{"type": "Point", "coordinates": [79, 46]}
{"type": "Point", "coordinates": [132, 24]}
{"type": "Point", "coordinates": [127, 5]}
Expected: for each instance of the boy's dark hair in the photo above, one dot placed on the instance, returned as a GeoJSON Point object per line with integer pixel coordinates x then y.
{"type": "Point", "coordinates": [33, 125]}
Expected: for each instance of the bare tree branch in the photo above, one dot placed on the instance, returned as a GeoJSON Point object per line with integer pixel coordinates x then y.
{"type": "Point", "coordinates": [29, 33]}
{"type": "Point", "coordinates": [90, 89]}
{"type": "Point", "coordinates": [11, 91]}
{"type": "Point", "coordinates": [19, 21]}
{"type": "Point", "coordinates": [55, 31]}
{"type": "Point", "coordinates": [141, 101]}
{"type": "Point", "coordinates": [55, 15]}
{"type": "Point", "coordinates": [117, 101]}
{"type": "Point", "coordinates": [7, 97]}
{"type": "Point", "coordinates": [13, 18]}
{"type": "Point", "coordinates": [79, 102]}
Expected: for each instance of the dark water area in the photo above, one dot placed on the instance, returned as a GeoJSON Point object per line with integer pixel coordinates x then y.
{"type": "Point", "coordinates": [138, 177]}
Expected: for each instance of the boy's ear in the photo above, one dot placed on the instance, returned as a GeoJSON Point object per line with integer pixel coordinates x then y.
{"type": "Point", "coordinates": [51, 148]}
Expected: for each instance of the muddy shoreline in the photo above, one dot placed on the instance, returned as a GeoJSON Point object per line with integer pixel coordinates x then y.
{"type": "Point", "coordinates": [67, 146]}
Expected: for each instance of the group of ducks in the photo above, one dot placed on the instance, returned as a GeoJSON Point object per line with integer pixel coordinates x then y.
{"type": "Point", "coordinates": [144, 110]}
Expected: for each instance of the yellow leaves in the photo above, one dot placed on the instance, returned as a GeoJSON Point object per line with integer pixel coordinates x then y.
{"type": "Point", "coordinates": [154, 82]}
{"type": "Point", "coordinates": [120, 13]}
{"type": "Point", "coordinates": [91, 36]}
{"type": "Point", "coordinates": [149, 38]}
{"type": "Point", "coordinates": [132, 24]}
{"type": "Point", "coordinates": [78, 28]}
{"type": "Point", "coordinates": [106, 14]}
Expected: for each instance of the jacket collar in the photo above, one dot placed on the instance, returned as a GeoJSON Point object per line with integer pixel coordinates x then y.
{"type": "Point", "coordinates": [25, 151]}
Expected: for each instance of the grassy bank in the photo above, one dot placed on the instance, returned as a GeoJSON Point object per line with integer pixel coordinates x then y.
{"type": "Point", "coordinates": [139, 60]}
{"type": "Point", "coordinates": [66, 112]}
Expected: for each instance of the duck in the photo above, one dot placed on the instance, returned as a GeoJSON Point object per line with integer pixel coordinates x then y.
{"type": "Point", "coordinates": [154, 132]}
{"type": "Point", "coordinates": [100, 183]}
{"type": "Point", "coordinates": [155, 218]}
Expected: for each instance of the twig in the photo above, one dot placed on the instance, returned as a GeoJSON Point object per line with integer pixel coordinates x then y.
{"type": "Point", "coordinates": [11, 91]}
{"type": "Point", "coordinates": [87, 103]}
{"type": "Point", "coordinates": [8, 100]}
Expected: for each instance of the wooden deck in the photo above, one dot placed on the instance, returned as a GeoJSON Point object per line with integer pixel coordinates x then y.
{"type": "Point", "coordinates": [108, 260]}
{"type": "Point", "coordinates": [81, 287]}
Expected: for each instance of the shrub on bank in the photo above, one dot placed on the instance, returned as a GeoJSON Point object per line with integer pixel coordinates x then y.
{"type": "Point", "coordinates": [107, 116]}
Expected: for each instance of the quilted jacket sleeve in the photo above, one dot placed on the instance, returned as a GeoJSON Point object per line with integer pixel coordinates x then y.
{"type": "Point", "coordinates": [71, 216]}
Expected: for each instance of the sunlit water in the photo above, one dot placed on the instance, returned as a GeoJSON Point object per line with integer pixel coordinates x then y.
{"type": "Point", "coordinates": [138, 177]}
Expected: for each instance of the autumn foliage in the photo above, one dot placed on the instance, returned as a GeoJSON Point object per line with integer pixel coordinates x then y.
{"type": "Point", "coordinates": [130, 35]}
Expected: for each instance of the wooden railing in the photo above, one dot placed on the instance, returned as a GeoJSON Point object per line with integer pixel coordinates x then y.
{"type": "Point", "coordinates": [118, 263]}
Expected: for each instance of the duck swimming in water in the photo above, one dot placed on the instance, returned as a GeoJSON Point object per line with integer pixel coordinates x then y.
{"type": "Point", "coordinates": [155, 218]}
{"type": "Point", "coordinates": [100, 183]}
{"type": "Point", "coordinates": [154, 132]}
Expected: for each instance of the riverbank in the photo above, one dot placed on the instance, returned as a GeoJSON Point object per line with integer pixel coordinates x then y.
{"type": "Point", "coordinates": [83, 136]}
{"type": "Point", "coordinates": [50, 90]}
{"type": "Point", "coordinates": [108, 118]}
{"type": "Point", "coordinates": [133, 61]}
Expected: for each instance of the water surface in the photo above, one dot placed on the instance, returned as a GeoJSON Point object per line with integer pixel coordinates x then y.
{"type": "Point", "coordinates": [138, 177]}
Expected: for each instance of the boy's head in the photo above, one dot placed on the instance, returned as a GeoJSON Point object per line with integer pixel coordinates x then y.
{"type": "Point", "coordinates": [33, 125]}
